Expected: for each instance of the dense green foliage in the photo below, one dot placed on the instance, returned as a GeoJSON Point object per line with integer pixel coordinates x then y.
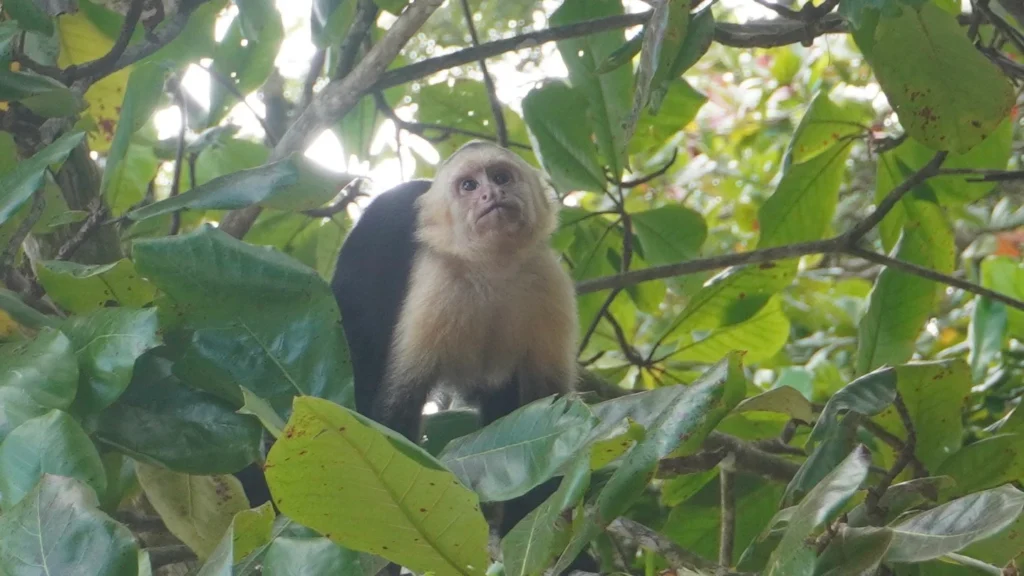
{"type": "Point", "coordinates": [796, 241]}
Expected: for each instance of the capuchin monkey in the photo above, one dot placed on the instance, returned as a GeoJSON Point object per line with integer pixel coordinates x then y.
{"type": "Point", "coordinates": [452, 286]}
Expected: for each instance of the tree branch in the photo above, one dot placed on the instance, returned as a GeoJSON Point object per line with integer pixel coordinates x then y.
{"type": "Point", "coordinates": [904, 457]}
{"type": "Point", "coordinates": [676, 556]}
{"type": "Point", "coordinates": [894, 196]}
{"type": "Point", "coordinates": [727, 490]}
{"type": "Point", "coordinates": [366, 15]}
{"type": "Point", "coordinates": [105, 64]}
{"type": "Point", "coordinates": [179, 157]}
{"type": "Point", "coordinates": [492, 92]}
{"type": "Point", "coordinates": [758, 33]}
{"type": "Point", "coordinates": [91, 224]}
{"type": "Point", "coordinates": [335, 100]}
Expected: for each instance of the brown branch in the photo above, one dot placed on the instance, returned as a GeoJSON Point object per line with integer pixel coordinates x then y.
{"type": "Point", "coordinates": [92, 223]}
{"type": "Point", "coordinates": [750, 459]}
{"type": "Point", "coordinates": [676, 556]}
{"type": "Point", "coordinates": [893, 197]}
{"type": "Point", "coordinates": [597, 320]}
{"type": "Point", "coordinates": [492, 92]}
{"type": "Point", "coordinates": [759, 33]}
{"type": "Point", "coordinates": [904, 457]}
{"type": "Point", "coordinates": [106, 64]}
{"type": "Point", "coordinates": [336, 99]}
{"type": "Point", "coordinates": [158, 38]}
{"type": "Point", "coordinates": [366, 15]}
{"type": "Point", "coordinates": [727, 534]}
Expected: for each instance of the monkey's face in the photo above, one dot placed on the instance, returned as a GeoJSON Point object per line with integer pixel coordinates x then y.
{"type": "Point", "coordinates": [486, 199]}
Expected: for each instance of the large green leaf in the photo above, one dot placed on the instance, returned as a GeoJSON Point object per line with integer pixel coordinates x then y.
{"type": "Point", "coordinates": [520, 451]}
{"type": "Point", "coordinates": [669, 233]}
{"type": "Point", "coordinates": [954, 525]}
{"type": "Point", "coordinates": [679, 107]}
{"type": "Point", "coordinates": [1006, 275]}
{"type": "Point", "coordinates": [196, 509]}
{"type": "Point", "coordinates": [17, 186]}
{"type": "Point", "coordinates": [987, 463]}
{"type": "Point", "coordinates": [311, 557]}
{"type": "Point", "coordinates": [294, 183]}
{"type": "Point", "coordinates": [760, 337]}
{"type": "Point", "coordinates": [209, 436]}
{"type": "Point", "coordinates": [244, 62]}
{"type": "Point", "coordinates": [58, 529]}
{"type": "Point", "coordinates": [947, 94]}
{"type": "Point", "coordinates": [825, 125]}
{"type": "Point", "coordinates": [556, 116]}
{"type": "Point", "coordinates": [82, 288]}
{"type": "Point", "coordinates": [40, 94]}
{"type": "Point", "coordinates": [107, 343]}
{"type": "Point", "coordinates": [794, 555]}
{"type": "Point", "coordinates": [35, 377]}
{"type": "Point", "coordinates": [369, 489]}
{"type": "Point", "coordinates": [609, 95]}
{"type": "Point", "coordinates": [854, 552]}
{"type": "Point", "coordinates": [53, 443]}
{"type": "Point", "coordinates": [258, 318]}
{"type": "Point", "coordinates": [986, 334]}
{"type": "Point", "coordinates": [901, 303]}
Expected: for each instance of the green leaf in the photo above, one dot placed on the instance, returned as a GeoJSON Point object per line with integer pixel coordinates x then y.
{"type": "Point", "coordinates": [17, 186]}
{"type": "Point", "coordinates": [901, 303]}
{"type": "Point", "coordinates": [679, 107]}
{"type": "Point", "coordinates": [29, 16]}
{"type": "Point", "coordinates": [521, 450]}
{"type": "Point", "coordinates": [986, 334]}
{"type": "Point", "coordinates": [290, 184]}
{"type": "Point", "coordinates": [987, 463]}
{"type": "Point", "coordinates": [53, 443]}
{"type": "Point", "coordinates": [825, 125]}
{"type": "Point", "coordinates": [209, 437]}
{"type": "Point", "coordinates": [899, 498]}
{"type": "Point", "coordinates": [783, 400]}
{"type": "Point", "coordinates": [23, 314]}
{"type": "Point", "coordinates": [560, 135]}
{"type": "Point", "coordinates": [107, 343]}
{"type": "Point", "coordinates": [257, 318]}
{"type": "Point", "coordinates": [532, 544]}
{"type": "Point", "coordinates": [802, 206]}
{"type": "Point", "coordinates": [58, 529]}
{"type": "Point", "coordinates": [196, 509]}
{"type": "Point", "coordinates": [226, 156]}
{"type": "Point", "coordinates": [442, 427]}
{"type": "Point", "coordinates": [257, 16]}
{"type": "Point", "coordinates": [1006, 275]}
{"type": "Point", "coordinates": [260, 408]}
{"type": "Point", "coordinates": [947, 94]}
{"type": "Point", "coordinates": [954, 525]}
{"type": "Point", "coordinates": [369, 489]}
{"type": "Point", "coordinates": [245, 63]}
{"type": "Point", "coordinates": [669, 234]}
{"type": "Point", "coordinates": [854, 551]}
{"type": "Point", "coordinates": [83, 288]}
{"type": "Point", "coordinates": [311, 557]}
{"type": "Point", "coordinates": [244, 541]}
{"type": "Point", "coordinates": [35, 377]}
{"type": "Point", "coordinates": [664, 33]}
{"type": "Point", "coordinates": [700, 32]}
{"type": "Point", "coordinates": [143, 93]}
{"type": "Point", "coordinates": [40, 94]}
{"type": "Point", "coordinates": [609, 95]}
{"type": "Point", "coordinates": [794, 555]}
{"type": "Point", "coordinates": [760, 337]}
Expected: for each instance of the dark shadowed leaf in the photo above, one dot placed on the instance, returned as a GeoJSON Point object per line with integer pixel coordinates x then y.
{"type": "Point", "coordinates": [53, 443]}
{"type": "Point", "coordinates": [442, 427]}
{"type": "Point", "coordinates": [260, 319]}
{"type": "Point", "coordinates": [196, 509]}
{"type": "Point", "coordinates": [854, 552]}
{"type": "Point", "coordinates": [40, 94]}
{"type": "Point", "coordinates": [17, 186]}
{"type": "Point", "coordinates": [209, 436]}
{"type": "Point", "coordinates": [954, 525]}
{"type": "Point", "coordinates": [29, 16]}
{"type": "Point", "coordinates": [520, 451]}
{"type": "Point", "coordinates": [107, 343]}
{"type": "Point", "coordinates": [793, 555]}
{"type": "Point", "coordinates": [35, 377]}
{"type": "Point", "coordinates": [58, 529]}
{"type": "Point", "coordinates": [369, 489]}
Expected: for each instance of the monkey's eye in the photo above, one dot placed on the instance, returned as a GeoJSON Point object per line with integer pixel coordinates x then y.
{"type": "Point", "coordinates": [468, 185]}
{"type": "Point", "coordinates": [501, 177]}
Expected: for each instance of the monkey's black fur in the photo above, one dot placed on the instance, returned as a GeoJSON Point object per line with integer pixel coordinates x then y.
{"type": "Point", "coordinates": [371, 280]}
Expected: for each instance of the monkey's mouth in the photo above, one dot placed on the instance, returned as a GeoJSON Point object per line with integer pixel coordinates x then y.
{"type": "Point", "coordinates": [506, 206]}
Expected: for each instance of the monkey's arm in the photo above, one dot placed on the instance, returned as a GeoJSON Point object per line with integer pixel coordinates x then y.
{"type": "Point", "coordinates": [371, 280]}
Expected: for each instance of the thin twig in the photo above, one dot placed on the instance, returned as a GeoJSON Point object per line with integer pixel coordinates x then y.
{"type": "Point", "coordinates": [354, 191]}
{"type": "Point", "coordinates": [727, 493]}
{"type": "Point", "coordinates": [876, 492]}
{"type": "Point", "coordinates": [35, 212]}
{"type": "Point", "coordinates": [659, 172]}
{"type": "Point", "coordinates": [105, 65]}
{"type": "Point", "coordinates": [92, 223]}
{"type": "Point", "coordinates": [894, 196]}
{"type": "Point", "coordinates": [597, 320]}
{"type": "Point", "coordinates": [492, 92]}
{"type": "Point", "coordinates": [179, 157]}
{"type": "Point", "coordinates": [985, 175]}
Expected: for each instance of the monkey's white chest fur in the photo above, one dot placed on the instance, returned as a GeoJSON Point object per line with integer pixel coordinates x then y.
{"type": "Point", "coordinates": [474, 327]}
